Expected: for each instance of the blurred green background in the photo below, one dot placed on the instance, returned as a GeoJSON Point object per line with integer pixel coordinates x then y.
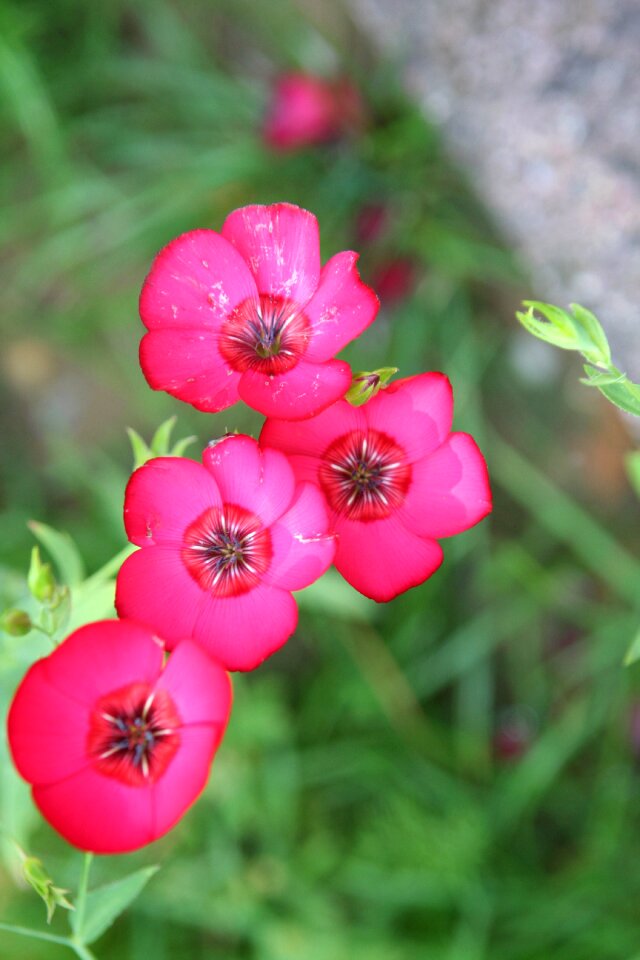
{"type": "Point", "coordinates": [452, 776]}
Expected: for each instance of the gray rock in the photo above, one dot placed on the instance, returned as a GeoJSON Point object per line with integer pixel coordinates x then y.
{"type": "Point", "coordinates": [540, 102]}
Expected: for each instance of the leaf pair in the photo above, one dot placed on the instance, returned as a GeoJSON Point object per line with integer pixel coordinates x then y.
{"type": "Point", "coordinates": [581, 330]}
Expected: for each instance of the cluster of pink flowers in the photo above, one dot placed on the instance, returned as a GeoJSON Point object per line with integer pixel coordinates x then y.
{"type": "Point", "coordinates": [116, 729]}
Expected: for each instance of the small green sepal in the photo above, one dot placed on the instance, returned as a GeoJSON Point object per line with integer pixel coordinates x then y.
{"type": "Point", "coordinates": [38, 878]}
{"type": "Point", "coordinates": [366, 383]}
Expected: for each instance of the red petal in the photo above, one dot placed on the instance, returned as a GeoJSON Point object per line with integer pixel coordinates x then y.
{"type": "Point", "coordinates": [188, 365]}
{"type": "Point", "coordinates": [248, 476]}
{"type": "Point", "coordinates": [342, 307]}
{"type": "Point", "coordinates": [302, 547]}
{"type": "Point", "coordinates": [281, 245]}
{"type": "Point", "coordinates": [154, 587]}
{"type": "Point", "coordinates": [416, 412]}
{"type": "Point", "coordinates": [382, 558]}
{"type": "Point", "coordinates": [240, 632]}
{"type": "Point", "coordinates": [301, 392]}
{"type": "Point", "coordinates": [164, 497]}
{"type": "Point", "coordinates": [195, 281]}
{"type": "Point", "coordinates": [449, 491]}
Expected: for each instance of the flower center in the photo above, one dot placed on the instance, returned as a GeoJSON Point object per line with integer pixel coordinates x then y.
{"type": "Point", "coordinates": [268, 334]}
{"type": "Point", "coordinates": [365, 476]}
{"type": "Point", "coordinates": [133, 734]}
{"type": "Point", "coordinates": [226, 550]}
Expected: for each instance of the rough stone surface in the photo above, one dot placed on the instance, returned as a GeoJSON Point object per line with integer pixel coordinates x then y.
{"type": "Point", "coordinates": [541, 102]}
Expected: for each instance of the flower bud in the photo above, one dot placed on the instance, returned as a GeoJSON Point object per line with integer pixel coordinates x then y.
{"type": "Point", "coordinates": [17, 623]}
{"type": "Point", "coordinates": [40, 579]}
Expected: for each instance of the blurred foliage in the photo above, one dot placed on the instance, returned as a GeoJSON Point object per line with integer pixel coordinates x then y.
{"type": "Point", "coordinates": [451, 776]}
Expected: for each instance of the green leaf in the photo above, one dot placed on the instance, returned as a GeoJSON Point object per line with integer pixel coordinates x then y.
{"type": "Point", "coordinates": [105, 904]}
{"type": "Point", "coordinates": [161, 438]}
{"type": "Point", "coordinates": [556, 328]}
{"type": "Point", "coordinates": [594, 332]}
{"type": "Point", "coordinates": [141, 452]}
{"type": "Point", "coordinates": [601, 378]}
{"type": "Point", "coordinates": [179, 448]}
{"type": "Point", "coordinates": [633, 653]}
{"type": "Point", "coordinates": [62, 551]}
{"type": "Point", "coordinates": [625, 395]}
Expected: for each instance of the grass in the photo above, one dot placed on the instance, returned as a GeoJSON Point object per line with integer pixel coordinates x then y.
{"type": "Point", "coordinates": [360, 807]}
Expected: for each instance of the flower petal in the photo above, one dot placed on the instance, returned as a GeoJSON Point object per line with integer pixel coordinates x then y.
{"type": "Point", "coordinates": [281, 245]}
{"type": "Point", "coordinates": [249, 476]}
{"type": "Point", "coordinates": [416, 412]}
{"type": "Point", "coordinates": [154, 587]}
{"type": "Point", "coordinates": [47, 730]}
{"type": "Point", "coordinates": [97, 813]}
{"type": "Point", "coordinates": [241, 631]}
{"type": "Point", "coordinates": [187, 364]}
{"type": "Point", "coordinates": [120, 654]}
{"type": "Point", "coordinates": [302, 547]}
{"type": "Point", "coordinates": [449, 490]}
{"type": "Point", "coordinates": [301, 392]}
{"type": "Point", "coordinates": [195, 281]}
{"type": "Point", "coordinates": [186, 776]}
{"type": "Point", "coordinates": [198, 686]}
{"type": "Point", "coordinates": [382, 558]}
{"type": "Point", "coordinates": [304, 441]}
{"type": "Point", "coordinates": [163, 497]}
{"type": "Point", "coordinates": [341, 308]}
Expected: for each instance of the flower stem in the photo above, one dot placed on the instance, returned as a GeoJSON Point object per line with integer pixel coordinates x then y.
{"type": "Point", "coordinates": [81, 899]}
{"type": "Point", "coordinates": [36, 934]}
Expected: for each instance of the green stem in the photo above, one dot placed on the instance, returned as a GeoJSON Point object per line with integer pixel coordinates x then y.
{"type": "Point", "coordinates": [36, 934]}
{"type": "Point", "coordinates": [111, 566]}
{"type": "Point", "coordinates": [81, 899]}
{"type": "Point", "coordinates": [81, 951]}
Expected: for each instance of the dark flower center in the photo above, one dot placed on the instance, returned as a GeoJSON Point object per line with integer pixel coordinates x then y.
{"type": "Point", "coordinates": [226, 550]}
{"type": "Point", "coordinates": [133, 734]}
{"type": "Point", "coordinates": [365, 476]}
{"type": "Point", "coordinates": [265, 333]}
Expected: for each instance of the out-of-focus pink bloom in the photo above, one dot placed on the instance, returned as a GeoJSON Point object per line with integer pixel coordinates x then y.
{"type": "Point", "coordinates": [223, 545]}
{"type": "Point", "coordinates": [249, 314]}
{"type": "Point", "coordinates": [394, 280]}
{"type": "Point", "coordinates": [395, 480]}
{"type": "Point", "coordinates": [371, 222]}
{"type": "Point", "coordinates": [514, 735]}
{"type": "Point", "coordinates": [306, 110]}
{"type": "Point", "coordinates": [115, 744]}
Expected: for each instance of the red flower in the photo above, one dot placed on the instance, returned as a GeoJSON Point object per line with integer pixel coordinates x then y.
{"type": "Point", "coordinates": [394, 478]}
{"type": "Point", "coordinates": [116, 745]}
{"type": "Point", "coordinates": [248, 314]}
{"type": "Point", "coordinates": [223, 545]}
{"type": "Point", "coordinates": [307, 110]}
{"type": "Point", "coordinates": [394, 280]}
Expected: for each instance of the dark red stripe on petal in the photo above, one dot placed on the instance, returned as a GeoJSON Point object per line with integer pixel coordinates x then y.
{"type": "Point", "coordinates": [226, 550]}
{"type": "Point", "coordinates": [365, 475]}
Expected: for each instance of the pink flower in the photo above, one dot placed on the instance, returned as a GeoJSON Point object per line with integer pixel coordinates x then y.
{"type": "Point", "coordinates": [249, 314]}
{"type": "Point", "coordinates": [116, 745]}
{"type": "Point", "coordinates": [395, 480]}
{"type": "Point", "coordinates": [307, 110]}
{"type": "Point", "coordinates": [223, 545]}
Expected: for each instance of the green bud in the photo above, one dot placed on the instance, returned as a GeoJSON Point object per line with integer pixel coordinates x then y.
{"type": "Point", "coordinates": [17, 623]}
{"type": "Point", "coordinates": [38, 878]}
{"type": "Point", "coordinates": [366, 384]}
{"type": "Point", "coordinates": [40, 579]}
